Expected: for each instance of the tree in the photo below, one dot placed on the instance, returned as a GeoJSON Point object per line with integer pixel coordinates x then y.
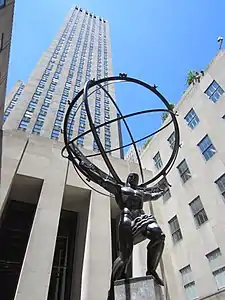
{"type": "Point", "coordinates": [191, 75]}
{"type": "Point", "coordinates": [165, 114]}
{"type": "Point", "coordinates": [147, 142]}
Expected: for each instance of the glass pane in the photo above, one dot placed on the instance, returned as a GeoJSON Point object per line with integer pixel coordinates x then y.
{"type": "Point", "coordinates": [2, 2]}
{"type": "Point", "coordinates": [220, 90]}
{"type": "Point", "coordinates": [221, 183]}
{"type": "Point", "coordinates": [190, 291]}
{"type": "Point", "coordinates": [215, 259]}
{"type": "Point", "coordinates": [205, 142]}
{"type": "Point", "coordinates": [209, 152]}
{"type": "Point", "coordinates": [196, 205]}
{"type": "Point", "coordinates": [214, 85]}
{"type": "Point", "coordinates": [220, 277]}
{"type": "Point", "coordinates": [201, 217]}
{"type": "Point", "coordinates": [186, 274]}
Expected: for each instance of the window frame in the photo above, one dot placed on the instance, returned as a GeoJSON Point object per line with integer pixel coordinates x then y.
{"type": "Point", "coordinates": [166, 195]}
{"type": "Point", "coordinates": [2, 40]}
{"type": "Point", "coordinates": [158, 161]}
{"type": "Point", "coordinates": [200, 213]}
{"type": "Point", "coordinates": [183, 174]}
{"type": "Point", "coordinates": [207, 148]}
{"type": "Point", "coordinates": [218, 89]}
{"type": "Point", "coordinates": [217, 266]}
{"type": "Point", "coordinates": [177, 232]}
{"type": "Point", "coordinates": [3, 4]}
{"type": "Point", "coordinates": [191, 282]}
{"type": "Point", "coordinates": [192, 118]}
{"type": "Point", "coordinates": [222, 191]}
{"type": "Point", "coordinates": [171, 140]}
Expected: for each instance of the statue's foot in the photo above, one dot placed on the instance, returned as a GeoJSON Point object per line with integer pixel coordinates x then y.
{"type": "Point", "coordinates": [158, 280]}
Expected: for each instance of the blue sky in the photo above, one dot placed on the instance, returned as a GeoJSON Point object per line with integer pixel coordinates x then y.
{"type": "Point", "coordinates": [156, 41]}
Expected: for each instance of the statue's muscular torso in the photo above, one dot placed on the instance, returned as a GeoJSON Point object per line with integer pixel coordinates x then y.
{"type": "Point", "coordinates": [132, 199]}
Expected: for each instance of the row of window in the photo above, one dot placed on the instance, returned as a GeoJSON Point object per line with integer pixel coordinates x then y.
{"type": "Point", "coordinates": [98, 92]}
{"type": "Point", "coordinates": [90, 14]}
{"type": "Point", "coordinates": [13, 101]}
{"type": "Point", "coordinates": [44, 108]}
{"type": "Point", "coordinates": [40, 88]}
{"type": "Point", "coordinates": [65, 95]}
{"type": "Point", "coordinates": [205, 145]}
{"type": "Point", "coordinates": [217, 266]}
{"type": "Point", "coordinates": [91, 52]}
{"type": "Point", "coordinates": [197, 209]}
{"type": "Point", "coordinates": [82, 121]}
{"type": "Point", "coordinates": [185, 175]}
{"type": "Point", "coordinates": [105, 54]}
{"type": "Point", "coordinates": [214, 92]}
{"type": "Point", "coordinates": [106, 98]}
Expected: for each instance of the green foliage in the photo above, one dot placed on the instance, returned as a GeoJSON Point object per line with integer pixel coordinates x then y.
{"type": "Point", "coordinates": [165, 114]}
{"type": "Point", "coordinates": [147, 142]}
{"type": "Point", "coordinates": [190, 77]}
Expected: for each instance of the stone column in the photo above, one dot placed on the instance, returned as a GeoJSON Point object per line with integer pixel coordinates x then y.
{"type": "Point", "coordinates": [13, 147]}
{"type": "Point", "coordinates": [97, 255]}
{"type": "Point", "coordinates": [37, 265]}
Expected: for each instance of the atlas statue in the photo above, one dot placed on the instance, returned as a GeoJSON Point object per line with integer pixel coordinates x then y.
{"type": "Point", "coordinates": [134, 224]}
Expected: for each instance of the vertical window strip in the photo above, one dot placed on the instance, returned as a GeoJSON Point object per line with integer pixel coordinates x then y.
{"type": "Point", "coordinates": [13, 101]}
{"type": "Point", "coordinates": [64, 98]}
{"type": "Point", "coordinates": [81, 129]}
{"type": "Point", "coordinates": [98, 92]}
{"type": "Point", "coordinates": [36, 96]}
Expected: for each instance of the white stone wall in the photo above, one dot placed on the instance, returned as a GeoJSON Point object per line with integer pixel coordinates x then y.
{"type": "Point", "coordinates": [197, 241]}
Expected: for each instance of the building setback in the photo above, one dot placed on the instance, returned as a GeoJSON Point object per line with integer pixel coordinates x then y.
{"type": "Point", "coordinates": [193, 209]}
{"type": "Point", "coordinates": [80, 51]}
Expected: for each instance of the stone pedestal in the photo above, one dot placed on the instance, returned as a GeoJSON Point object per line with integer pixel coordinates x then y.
{"type": "Point", "coordinates": [140, 288]}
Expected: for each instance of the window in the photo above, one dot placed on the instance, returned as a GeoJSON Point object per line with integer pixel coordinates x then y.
{"type": "Point", "coordinates": [188, 283]}
{"type": "Point", "coordinates": [206, 147]}
{"type": "Point", "coordinates": [2, 3]}
{"type": "Point", "coordinates": [175, 230]}
{"type": "Point", "coordinates": [158, 161]}
{"type": "Point", "coordinates": [164, 186]}
{"type": "Point", "coordinates": [198, 211]}
{"type": "Point", "coordinates": [2, 39]}
{"type": "Point", "coordinates": [217, 266]}
{"type": "Point", "coordinates": [221, 184]}
{"type": "Point", "coordinates": [191, 118]}
{"type": "Point", "coordinates": [214, 91]}
{"type": "Point", "coordinates": [166, 195]}
{"type": "Point", "coordinates": [171, 140]}
{"type": "Point", "coordinates": [184, 171]}
{"type": "Point", "coordinates": [23, 124]}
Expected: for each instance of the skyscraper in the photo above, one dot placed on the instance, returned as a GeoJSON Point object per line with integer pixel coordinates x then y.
{"type": "Point", "coordinates": [80, 51]}
{"type": "Point", "coordinates": [60, 232]}
{"type": "Point", "coordinates": [6, 17]}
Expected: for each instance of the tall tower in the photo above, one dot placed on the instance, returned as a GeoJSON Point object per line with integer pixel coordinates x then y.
{"type": "Point", "coordinates": [79, 52]}
{"type": "Point", "coordinates": [6, 17]}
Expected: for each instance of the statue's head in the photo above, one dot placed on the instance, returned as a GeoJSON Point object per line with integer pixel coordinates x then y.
{"type": "Point", "coordinates": [133, 179]}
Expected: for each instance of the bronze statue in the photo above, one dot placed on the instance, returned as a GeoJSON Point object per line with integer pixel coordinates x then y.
{"type": "Point", "coordinates": [134, 225]}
